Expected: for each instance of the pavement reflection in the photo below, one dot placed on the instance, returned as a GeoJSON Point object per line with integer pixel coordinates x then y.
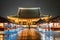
{"type": "Point", "coordinates": [29, 34]}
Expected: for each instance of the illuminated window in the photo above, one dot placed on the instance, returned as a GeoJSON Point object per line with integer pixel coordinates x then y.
{"type": "Point", "coordinates": [19, 22]}
{"type": "Point", "coordinates": [34, 23]}
{"type": "Point", "coordinates": [1, 25]}
{"type": "Point", "coordinates": [24, 23]}
{"type": "Point", "coordinates": [1, 37]}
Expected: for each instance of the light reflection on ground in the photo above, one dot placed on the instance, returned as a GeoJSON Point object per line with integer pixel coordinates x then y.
{"type": "Point", "coordinates": [12, 34]}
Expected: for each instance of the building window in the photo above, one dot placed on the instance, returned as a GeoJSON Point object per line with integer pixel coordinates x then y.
{"type": "Point", "coordinates": [19, 22]}
{"type": "Point", "coordinates": [1, 25]}
{"type": "Point", "coordinates": [34, 23]}
{"type": "Point", "coordinates": [24, 23]}
{"type": "Point", "coordinates": [1, 37]}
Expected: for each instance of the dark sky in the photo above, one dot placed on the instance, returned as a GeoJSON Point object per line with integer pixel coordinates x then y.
{"type": "Point", "coordinates": [10, 7]}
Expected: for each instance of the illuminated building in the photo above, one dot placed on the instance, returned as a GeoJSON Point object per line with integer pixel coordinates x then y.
{"type": "Point", "coordinates": [2, 21]}
{"type": "Point", "coordinates": [3, 27]}
{"type": "Point", "coordinates": [1, 31]}
{"type": "Point", "coordinates": [27, 17]}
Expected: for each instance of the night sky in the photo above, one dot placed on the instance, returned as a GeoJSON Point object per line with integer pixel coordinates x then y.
{"type": "Point", "coordinates": [10, 7]}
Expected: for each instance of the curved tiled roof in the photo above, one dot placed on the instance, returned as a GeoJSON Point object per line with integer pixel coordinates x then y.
{"type": "Point", "coordinates": [29, 13]}
{"type": "Point", "coordinates": [2, 19]}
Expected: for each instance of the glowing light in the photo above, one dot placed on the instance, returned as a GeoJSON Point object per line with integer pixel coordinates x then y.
{"type": "Point", "coordinates": [29, 8]}
{"type": "Point", "coordinates": [1, 25]}
{"type": "Point", "coordinates": [1, 37]}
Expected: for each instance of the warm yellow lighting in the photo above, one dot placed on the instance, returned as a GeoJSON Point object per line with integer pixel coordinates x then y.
{"type": "Point", "coordinates": [1, 25]}
{"type": "Point", "coordinates": [27, 21]}
{"type": "Point", "coordinates": [56, 25]}
{"type": "Point", "coordinates": [1, 37]}
{"type": "Point", "coordinates": [22, 20]}
{"type": "Point", "coordinates": [29, 8]}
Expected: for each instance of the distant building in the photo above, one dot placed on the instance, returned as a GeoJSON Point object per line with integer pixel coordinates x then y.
{"type": "Point", "coordinates": [27, 16]}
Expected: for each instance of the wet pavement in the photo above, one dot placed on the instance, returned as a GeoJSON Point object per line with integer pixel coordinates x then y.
{"type": "Point", "coordinates": [11, 34]}
{"type": "Point", "coordinates": [28, 34]}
